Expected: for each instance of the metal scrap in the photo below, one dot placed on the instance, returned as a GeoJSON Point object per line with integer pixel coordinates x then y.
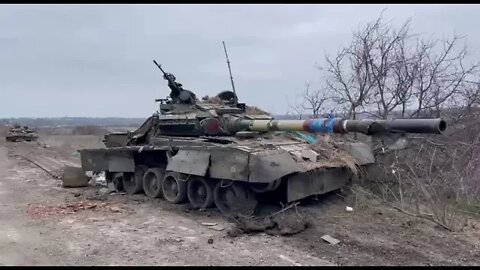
{"type": "Point", "coordinates": [330, 239]}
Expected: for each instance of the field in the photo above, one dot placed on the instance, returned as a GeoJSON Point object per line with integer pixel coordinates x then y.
{"type": "Point", "coordinates": [46, 224]}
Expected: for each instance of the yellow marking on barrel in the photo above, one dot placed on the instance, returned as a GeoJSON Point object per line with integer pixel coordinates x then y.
{"type": "Point", "coordinates": [293, 125]}
{"type": "Point", "coordinates": [259, 125]}
{"type": "Point", "coordinates": [284, 125]}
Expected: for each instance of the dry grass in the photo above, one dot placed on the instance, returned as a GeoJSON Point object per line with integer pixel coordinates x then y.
{"type": "Point", "coordinates": [332, 155]}
{"type": "Point", "coordinates": [436, 176]}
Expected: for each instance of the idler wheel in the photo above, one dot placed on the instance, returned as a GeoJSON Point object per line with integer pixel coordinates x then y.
{"type": "Point", "coordinates": [174, 188]}
{"type": "Point", "coordinates": [133, 182]}
{"type": "Point", "coordinates": [234, 198]}
{"type": "Point", "coordinates": [152, 182]}
{"type": "Point", "coordinates": [200, 192]}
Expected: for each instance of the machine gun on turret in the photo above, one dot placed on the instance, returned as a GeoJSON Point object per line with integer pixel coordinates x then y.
{"type": "Point", "coordinates": [178, 94]}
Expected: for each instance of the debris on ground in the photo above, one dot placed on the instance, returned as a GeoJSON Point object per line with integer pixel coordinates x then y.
{"type": "Point", "coordinates": [99, 179]}
{"type": "Point", "coordinates": [210, 241]}
{"type": "Point", "coordinates": [330, 239]}
{"type": "Point", "coordinates": [116, 209]}
{"type": "Point", "coordinates": [217, 228]}
{"type": "Point", "coordinates": [281, 223]}
{"type": "Point", "coordinates": [209, 223]}
{"type": "Point", "coordinates": [104, 191]}
{"type": "Point", "coordinates": [36, 211]}
{"type": "Point", "coordinates": [349, 209]}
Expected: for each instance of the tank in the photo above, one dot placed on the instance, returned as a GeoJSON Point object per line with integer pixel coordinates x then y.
{"type": "Point", "coordinates": [21, 133]}
{"type": "Point", "coordinates": [218, 152]}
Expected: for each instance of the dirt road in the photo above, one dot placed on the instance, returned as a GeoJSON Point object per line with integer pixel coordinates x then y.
{"type": "Point", "coordinates": [142, 232]}
{"type": "Point", "coordinates": [45, 224]}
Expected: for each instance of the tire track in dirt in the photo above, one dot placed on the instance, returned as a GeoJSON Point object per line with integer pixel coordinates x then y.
{"type": "Point", "coordinates": [21, 243]}
{"type": "Point", "coordinates": [152, 233]}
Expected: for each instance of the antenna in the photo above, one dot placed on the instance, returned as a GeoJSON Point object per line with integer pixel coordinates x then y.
{"type": "Point", "coordinates": [229, 69]}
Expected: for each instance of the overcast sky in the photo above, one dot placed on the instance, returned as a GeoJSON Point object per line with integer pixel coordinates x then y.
{"type": "Point", "coordinates": [96, 60]}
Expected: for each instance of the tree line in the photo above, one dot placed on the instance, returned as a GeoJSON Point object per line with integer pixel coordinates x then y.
{"type": "Point", "coordinates": [389, 71]}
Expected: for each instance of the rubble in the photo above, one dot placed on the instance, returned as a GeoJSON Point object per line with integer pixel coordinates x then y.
{"type": "Point", "coordinates": [38, 211]}
{"type": "Point", "coordinates": [209, 223]}
{"type": "Point", "coordinates": [217, 228]}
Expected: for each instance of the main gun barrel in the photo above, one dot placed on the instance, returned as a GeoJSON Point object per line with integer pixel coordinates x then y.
{"type": "Point", "coordinates": [340, 125]}
{"type": "Point", "coordinates": [371, 127]}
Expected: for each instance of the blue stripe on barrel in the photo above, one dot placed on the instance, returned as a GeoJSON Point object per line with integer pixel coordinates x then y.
{"type": "Point", "coordinates": [321, 125]}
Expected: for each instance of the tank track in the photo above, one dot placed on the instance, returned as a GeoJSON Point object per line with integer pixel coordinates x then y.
{"type": "Point", "coordinates": [229, 197]}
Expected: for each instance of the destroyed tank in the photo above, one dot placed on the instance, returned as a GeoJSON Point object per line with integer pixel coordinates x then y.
{"type": "Point", "coordinates": [21, 133]}
{"type": "Point", "coordinates": [214, 152]}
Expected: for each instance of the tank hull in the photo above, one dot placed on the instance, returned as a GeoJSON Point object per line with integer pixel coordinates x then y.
{"type": "Point", "coordinates": [290, 163]}
{"type": "Point", "coordinates": [20, 138]}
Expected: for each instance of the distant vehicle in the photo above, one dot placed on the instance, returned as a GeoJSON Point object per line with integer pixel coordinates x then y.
{"type": "Point", "coordinates": [21, 133]}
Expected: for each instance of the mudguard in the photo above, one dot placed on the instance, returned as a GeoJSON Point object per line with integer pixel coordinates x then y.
{"type": "Point", "coordinates": [268, 166]}
{"type": "Point", "coordinates": [190, 162]}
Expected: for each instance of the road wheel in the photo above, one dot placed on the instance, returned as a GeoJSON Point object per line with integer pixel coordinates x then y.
{"type": "Point", "coordinates": [234, 198]}
{"type": "Point", "coordinates": [174, 188]}
{"type": "Point", "coordinates": [152, 182]}
{"type": "Point", "coordinates": [133, 182]}
{"type": "Point", "coordinates": [200, 192]}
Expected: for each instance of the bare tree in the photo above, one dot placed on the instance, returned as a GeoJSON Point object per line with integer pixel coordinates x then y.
{"type": "Point", "coordinates": [295, 109]}
{"type": "Point", "coordinates": [349, 72]}
{"type": "Point", "coordinates": [351, 88]}
{"type": "Point", "coordinates": [311, 102]}
{"type": "Point", "coordinates": [471, 94]}
{"type": "Point", "coordinates": [384, 69]}
{"type": "Point", "coordinates": [440, 76]}
{"type": "Point", "coordinates": [314, 100]}
{"type": "Point", "coordinates": [387, 71]}
{"type": "Point", "coordinates": [391, 68]}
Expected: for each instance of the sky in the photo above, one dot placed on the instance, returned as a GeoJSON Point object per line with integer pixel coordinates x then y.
{"type": "Point", "coordinates": [96, 60]}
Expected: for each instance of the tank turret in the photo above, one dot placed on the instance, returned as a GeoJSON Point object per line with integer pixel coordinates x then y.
{"type": "Point", "coordinates": [184, 115]}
